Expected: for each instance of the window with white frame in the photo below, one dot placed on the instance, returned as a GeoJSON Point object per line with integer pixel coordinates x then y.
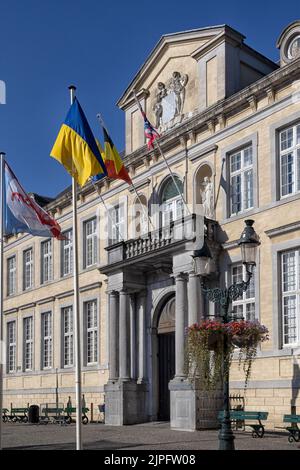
{"type": "Point", "coordinates": [289, 154]}
{"type": "Point", "coordinates": [28, 269]}
{"type": "Point", "coordinates": [90, 242]}
{"type": "Point", "coordinates": [68, 337]}
{"type": "Point", "coordinates": [116, 224]}
{"type": "Point", "coordinates": [28, 343]}
{"type": "Point", "coordinates": [244, 306]}
{"type": "Point", "coordinates": [11, 347]}
{"type": "Point", "coordinates": [67, 254]}
{"type": "Point", "coordinates": [290, 287]}
{"type": "Point", "coordinates": [171, 201]}
{"type": "Point", "coordinates": [47, 340]}
{"type": "Point", "coordinates": [91, 322]}
{"type": "Point", "coordinates": [241, 180]}
{"type": "Point", "coordinates": [46, 252]}
{"type": "Point", "coordinates": [11, 275]}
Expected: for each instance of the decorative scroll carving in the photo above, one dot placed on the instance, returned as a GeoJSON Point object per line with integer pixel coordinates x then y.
{"type": "Point", "coordinates": [169, 101]}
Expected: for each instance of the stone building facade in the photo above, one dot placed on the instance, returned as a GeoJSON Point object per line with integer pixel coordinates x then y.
{"type": "Point", "coordinates": [229, 120]}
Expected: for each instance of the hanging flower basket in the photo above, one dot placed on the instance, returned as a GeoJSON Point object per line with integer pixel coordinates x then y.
{"type": "Point", "coordinates": [246, 335]}
{"type": "Point", "coordinates": [206, 357]}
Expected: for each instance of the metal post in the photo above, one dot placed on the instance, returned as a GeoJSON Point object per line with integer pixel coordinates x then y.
{"type": "Point", "coordinates": [76, 307]}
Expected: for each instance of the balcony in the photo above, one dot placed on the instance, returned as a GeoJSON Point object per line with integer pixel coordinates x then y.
{"type": "Point", "coordinates": [157, 246]}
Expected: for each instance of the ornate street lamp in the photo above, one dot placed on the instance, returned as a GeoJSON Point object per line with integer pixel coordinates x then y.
{"type": "Point", "coordinates": [249, 242]}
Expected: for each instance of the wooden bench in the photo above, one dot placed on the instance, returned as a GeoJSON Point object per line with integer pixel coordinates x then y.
{"type": "Point", "coordinates": [70, 410]}
{"type": "Point", "coordinates": [293, 430]}
{"type": "Point", "coordinates": [238, 415]}
{"type": "Point", "coordinates": [56, 415]}
{"type": "Point", "coordinates": [19, 414]}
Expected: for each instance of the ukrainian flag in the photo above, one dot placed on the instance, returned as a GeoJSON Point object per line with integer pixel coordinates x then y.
{"type": "Point", "coordinates": [76, 149]}
{"type": "Point", "coordinates": [113, 162]}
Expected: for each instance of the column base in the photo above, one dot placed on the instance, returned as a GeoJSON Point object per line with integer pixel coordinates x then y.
{"type": "Point", "coordinates": [125, 403]}
{"type": "Point", "coordinates": [192, 407]}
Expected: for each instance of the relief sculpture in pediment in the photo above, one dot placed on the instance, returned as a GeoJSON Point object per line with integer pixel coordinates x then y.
{"type": "Point", "coordinates": [169, 101]}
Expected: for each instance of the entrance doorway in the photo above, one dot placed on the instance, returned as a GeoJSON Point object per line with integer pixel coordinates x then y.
{"type": "Point", "coordinates": [166, 357]}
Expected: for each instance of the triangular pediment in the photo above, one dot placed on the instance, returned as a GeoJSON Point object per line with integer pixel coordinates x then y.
{"type": "Point", "coordinates": [173, 52]}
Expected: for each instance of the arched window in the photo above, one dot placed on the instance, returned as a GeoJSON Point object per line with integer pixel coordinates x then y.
{"type": "Point", "coordinates": [171, 201]}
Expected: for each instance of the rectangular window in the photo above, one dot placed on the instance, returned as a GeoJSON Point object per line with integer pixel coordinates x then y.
{"type": "Point", "coordinates": [11, 347]}
{"type": "Point", "coordinates": [289, 155]}
{"type": "Point", "coordinates": [90, 242]}
{"type": "Point", "coordinates": [47, 340]}
{"type": "Point", "coordinates": [244, 306]}
{"type": "Point", "coordinates": [290, 279]}
{"type": "Point", "coordinates": [28, 343]}
{"type": "Point", "coordinates": [67, 254]}
{"type": "Point", "coordinates": [116, 224]}
{"type": "Point", "coordinates": [11, 275]}
{"type": "Point", "coordinates": [241, 180]}
{"type": "Point", "coordinates": [28, 269]}
{"type": "Point", "coordinates": [68, 339]}
{"type": "Point", "coordinates": [91, 321]}
{"type": "Point", "coordinates": [46, 251]}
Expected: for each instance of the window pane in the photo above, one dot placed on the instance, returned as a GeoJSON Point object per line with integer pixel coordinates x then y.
{"type": "Point", "coordinates": [236, 196]}
{"type": "Point", "coordinates": [298, 135]}
{"type": "Point", "coordinates": [235, 162]}
{"type": "Point", "coordinates": [289, 271]}
{"type": "Point", "coordinates": [170, 191]}
{"type": "Point", "coordinates": [287, 174]}
{"type": "Point", "coordinates": [248, 156]}
{"type": "Point", "coordinates": [250, 311]}
{"type": "Point", "coordinates": [289, 319]}
{"type": "Point", "coordinates": [248, 189]}
{"type": "Point", "coordinates": [286, 139]}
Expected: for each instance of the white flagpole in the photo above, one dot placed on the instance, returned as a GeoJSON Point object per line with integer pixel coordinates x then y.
{"type": "Point", "coordinates": [102, 123]}
{"type": "Point", "coordinates": [2, 160]}
{"type": "Point", "coordinates": [76, 308]}
{"type": "Point", "coordinates": [162, 154]}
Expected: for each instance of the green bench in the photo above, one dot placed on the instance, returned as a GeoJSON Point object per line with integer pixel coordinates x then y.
{"type": "Point", "coordinates": [54, 415]}
{"type": "Point", "coordinates": [293, 430]}
{"type": "Point", "coordinates": [19, 414]}
{"type": "Point", "coordinates": [70, 410]}
{"type": "Point", "coordinates": [243, 416]}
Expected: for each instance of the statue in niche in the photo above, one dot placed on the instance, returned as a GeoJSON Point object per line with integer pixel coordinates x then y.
{"type": "Point", "coordinates": [207, 196]}
{"type": "Point", "coordinates": [177, 84]}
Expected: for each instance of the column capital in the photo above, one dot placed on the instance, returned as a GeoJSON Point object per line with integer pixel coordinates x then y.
{"type": "Point", "coordinates": [179, 276]}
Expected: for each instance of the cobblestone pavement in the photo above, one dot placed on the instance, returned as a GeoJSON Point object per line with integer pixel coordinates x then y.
{"type": "Point", "coordinates": [150, 436]}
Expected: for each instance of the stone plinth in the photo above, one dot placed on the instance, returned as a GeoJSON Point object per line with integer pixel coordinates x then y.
{"type": "Point", "coordinates": [193, 408]}
{"type": "Point", "coordinates": [125, 403]}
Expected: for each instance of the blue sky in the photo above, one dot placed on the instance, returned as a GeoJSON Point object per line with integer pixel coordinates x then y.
{"type": "Point", "coordinates": [98, 46]}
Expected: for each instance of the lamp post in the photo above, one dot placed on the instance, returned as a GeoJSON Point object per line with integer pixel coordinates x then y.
{"type": "Point", "coordinates": [249, 241]}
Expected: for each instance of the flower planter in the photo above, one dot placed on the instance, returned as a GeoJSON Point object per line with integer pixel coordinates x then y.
{"type": "Point", "coordinates": [243, 341]}
{"type": "Point", "coordinates": [213, 340]}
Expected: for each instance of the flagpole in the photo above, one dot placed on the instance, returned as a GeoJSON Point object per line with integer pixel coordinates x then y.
{"type": "Point", "coordinates": [163, 156]}
{"type": "Point", "coordinates": [77, 335]}
{"type": "Point", "coordinates": [2, 160]}
{"type": "Point", "coordinates": [102, 123]}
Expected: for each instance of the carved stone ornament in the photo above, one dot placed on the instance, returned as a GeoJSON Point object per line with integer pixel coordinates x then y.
{"type": "Point", "coordinates": [208, 198]}
{"type": "Point", "coordinates": [169, 101]}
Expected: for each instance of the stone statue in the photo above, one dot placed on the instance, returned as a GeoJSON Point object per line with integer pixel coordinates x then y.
{"type": "Point", "coordinates": [208, 198]}
{"type": "Point", "coordinates": [161, 92]}
{"type": "Point", "coordinates": [177, 84]}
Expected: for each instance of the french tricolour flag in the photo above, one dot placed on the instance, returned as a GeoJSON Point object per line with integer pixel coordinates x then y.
{"type": "Point", "coordinates": [22, 214]}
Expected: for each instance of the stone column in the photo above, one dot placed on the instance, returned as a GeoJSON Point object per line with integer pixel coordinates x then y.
{"type": "Point", "coordinates": [133, 342]}
{"type": "Point", "coordinates": [180, 323]}
{"type": "Point", "coordinates": [113, 335]}
{"type": "Point", "coordinates": [124, 339]}
{"type": "Point", "coordinates": [142, 336]}
{"type": "Point", "coordinates": [195, 299]}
